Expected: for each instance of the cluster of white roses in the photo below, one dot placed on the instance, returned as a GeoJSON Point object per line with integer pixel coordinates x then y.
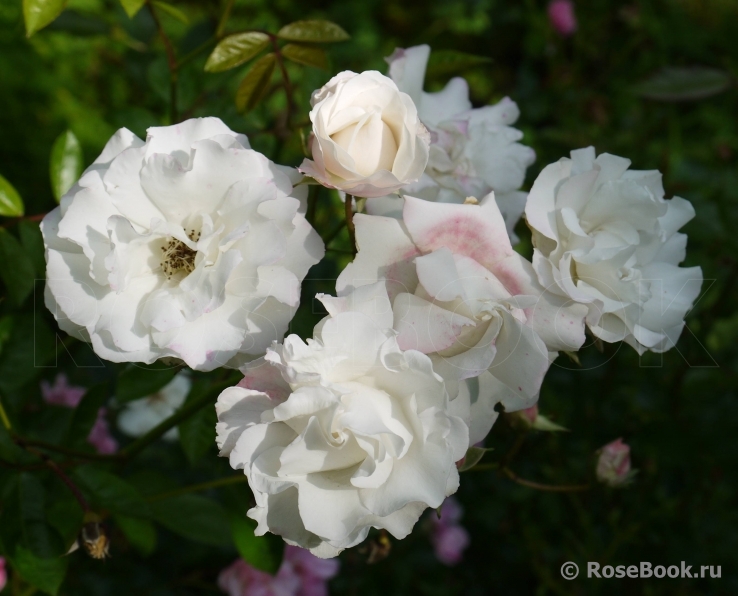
{"type": "Point", "coordinates": [193, 246]}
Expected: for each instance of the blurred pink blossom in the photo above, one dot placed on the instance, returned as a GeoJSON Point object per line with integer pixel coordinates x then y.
{"type": "Point", "coordinates": [530, 414]}
{"type": "Point", "coordinates": [613, 465]}
{"type": "Point", "coordinates": [561, 16]}
{"type": "Point", "coordinates": [301, 574]}
{"type": "Point", "coordinates": [449, 538]}
{"type": "Point", "coordinates": [3, 574]}
{"type": "Point", "coordinates": [61, 393]}
{"type": "Point", "coordinates": [100, 437]}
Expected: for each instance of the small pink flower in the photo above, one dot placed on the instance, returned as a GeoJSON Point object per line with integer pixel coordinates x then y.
{"type": "Point", "coordinates": [301, 574]}
{"type": "Point", "coordinates": [449, 538]}
{"type": "Point", "coordinates": [3, 574]}
{"type": "Point", "coordinates": [613, 465]}
{"type": "Point", "coordinates": [100, 436]}
{"type": "Point", "coordinates": [61, 393]}
{"type": "Point", "coordinates": [561, 16]}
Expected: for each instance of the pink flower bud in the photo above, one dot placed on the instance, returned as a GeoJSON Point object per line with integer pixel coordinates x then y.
{"type": "Point", "coordinates": [561, 16]}
{"type": "Point", "coordinates": [100, 437]}
{"type": "Point", "coordinates": [613, 465]}
{"type": "Point", "coordinates": [529, 415]}
{"type": "Point", "coordinates": [449, 538]}
{"type": "Point", "coordinates": [3, 574]}
{"type": "Point", "coordinates": [61, 393]}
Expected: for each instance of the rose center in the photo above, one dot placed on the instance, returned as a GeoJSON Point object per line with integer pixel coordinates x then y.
{"type": "Point", "coordinates": [178, 257]}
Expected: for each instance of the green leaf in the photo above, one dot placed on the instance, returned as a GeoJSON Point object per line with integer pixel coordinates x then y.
{"type": "Point", "coordinates": [39, 13]}
{"type": "Point", "coordinates": [172, 11]}
{"type": "Point", "coordinates": [197, 433]}
{"type": "Point", "coordinates": [444, 62]}
{"type": "Point", "coordinates": [307, 55]}
{"type": "Point", "coordinates": [142, 380]}
{"type": "Point", "coordinates": [66, 515]}
{"type": "Point", "coordinates": [34, 345]}
{"type": "Point", "coordinates": [263, 552]}
{"type": "Point", "coordinates": [33, 243]}
{"type": "Point", "coordinates": [38, 536]}
{"type": "Point", "coordinates": [473, 457]}
{"type": "Point", "coordinates": [140, 533]}
{"type": "Point", "coordinates": [255, 83]}
{"type": "Point", "coordinates": [11, 204]}
{"type": "Point", "coordinates": [85, 414]}
{"type": "Point", "coordinates": [132, 6]}
{"type": "Point", "coordinates": [235, 50]}
{"type": "Point", "coordinates": [684, 84]}
{"type": "Point", "coordinates": [65, 166]}
{"type": "Point", "coordinates": [45, 574]}
{"type": "Point", "coordinates": [194, 517]}
{"type": "Point", "coordinates": [18, 278]}
{"type": "Point", "coordinates": [109, 491]}
{"type": "Point", "coordinates": [313, 31]}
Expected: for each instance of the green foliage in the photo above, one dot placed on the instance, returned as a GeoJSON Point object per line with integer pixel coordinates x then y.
{"type": "Point", "coordinates": [45, 574]}
{"type": "Point", "coordinates": [684, 84]}
{"type": "Point", "coordinates": [195, 518]}
{"type": "Point", "coordinates": [11, 204]}
{"type": "Point", "coordinates": [18, 277]}
{"type": "Point", "coordinates": [197, 433]}
{"type": "Point", "coordinates": [255, 84]}
{"type": "Point", "coordinates": [40, 13]}
{"type": "Point", "coordinates": [307, 55]}
{"type": "Point", "coordinates": [453, 62]}
{"type": "Point", "coordinates": [66, 164]}
{"type": "Point", "coordinates": [236, 49]}
{"type": "Point", "coordinates": [313, 31]}
{"type": "Point", "coordinates": [132, 6]}
{"type": "Point", "coordinates": [263, 552]}
{"type": "Point", "coordinates": [110, 492]}
{"type": "Point", "coordinates": [141, 533]}
{"type": "Point", "coordinates": [141, 380]}
{"type": "Point", "coordinates": [170, 10]}
{"type": "Point", "coordinates": [38, 536]}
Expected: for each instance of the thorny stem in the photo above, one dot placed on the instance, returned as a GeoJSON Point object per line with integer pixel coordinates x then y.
{"type": "Point", "coordinates": [52, 465]}
{"type": "Point", "coordinates": [172, 61]}
{"type": "Point", "coordinates": [286, 80]}
{"type": "Point", "coordinates": [224, 18]}
{"type": "Point", "coordinates": [72, 452]}
{"type": "Point", "coordinates": [198, 487]}
{"type": "Point", "coordinates": [558, 488]}
{"type": "Point", "coordinates": [350, 222]}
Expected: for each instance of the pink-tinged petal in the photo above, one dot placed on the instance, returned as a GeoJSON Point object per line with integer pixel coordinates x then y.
{"type": "Point", "coordinates": [390, 259]}
{"type": "Point", "coordinates": [475, 231]}
{"type": "Point", "coordinates": [425, 327]}
{"type": "Point", "coordinates": [613, 464]}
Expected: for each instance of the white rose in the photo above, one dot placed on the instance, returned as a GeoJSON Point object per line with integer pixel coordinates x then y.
{"type": "Point", "coordinates": [344, 432]}
{"type": "Point", "coordinates": [189, 245]}
{"type": "Point", "coordinates": [367, 140]}
{"type": "Point", "coordinates": [140, 416]}
{"type": "Point", "coordinates": [604, 236]}
{"type": "Point", "coordinates": [472, 152]}
{"type": "Point", "coordinates": [463, 296]}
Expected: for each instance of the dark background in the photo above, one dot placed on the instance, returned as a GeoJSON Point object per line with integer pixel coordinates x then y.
{"type": "Point", "coordinates": [95, 70]}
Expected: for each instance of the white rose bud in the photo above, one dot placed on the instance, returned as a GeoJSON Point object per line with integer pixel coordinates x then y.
{"type": "Point", "coordinates": [613, 464]}
{"type": "Point", "coordinates": [367, 138]}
